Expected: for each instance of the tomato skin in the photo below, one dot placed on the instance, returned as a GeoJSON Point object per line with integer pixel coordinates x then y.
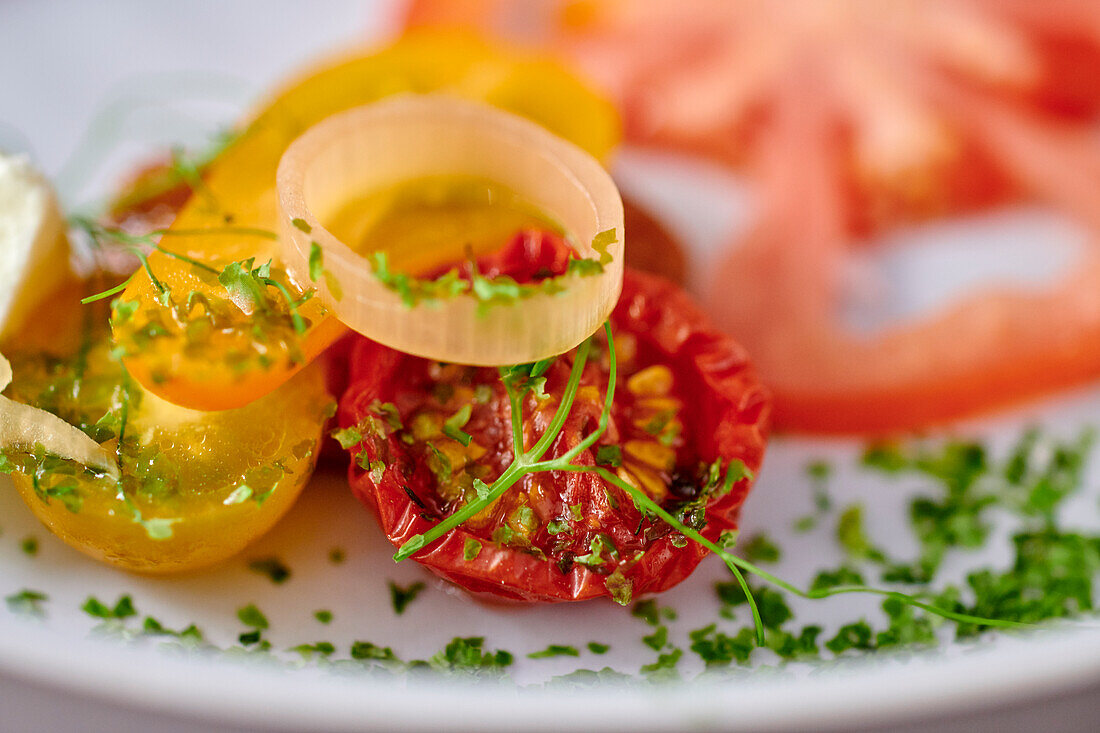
{"type": "Point", "coordinates": [730, 421]}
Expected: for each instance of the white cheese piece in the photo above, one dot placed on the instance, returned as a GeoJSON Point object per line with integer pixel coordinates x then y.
{"type": "Point", "coordinates": [34, 250]}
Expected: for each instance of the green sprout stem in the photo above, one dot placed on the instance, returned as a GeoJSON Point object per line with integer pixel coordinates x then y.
{"type": "Point", "coordinates": [520, 465]}
{"type": "Point", "coordinates": [134, 243]}
{"type": "Point", "coordinates": [291, 304]}
{"type": "Point", "coordinates": [530, 462]}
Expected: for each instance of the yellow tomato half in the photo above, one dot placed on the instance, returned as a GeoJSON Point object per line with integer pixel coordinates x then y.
{"type": "Point", "coordinates": [195, 487]}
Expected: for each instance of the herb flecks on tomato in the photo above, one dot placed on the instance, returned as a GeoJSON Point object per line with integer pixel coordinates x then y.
{"type": "Point", "coordinates": [561, 535]}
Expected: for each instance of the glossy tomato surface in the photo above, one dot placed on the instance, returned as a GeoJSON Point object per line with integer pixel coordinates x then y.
{"type": "Point", "coordinates": [687, 399]}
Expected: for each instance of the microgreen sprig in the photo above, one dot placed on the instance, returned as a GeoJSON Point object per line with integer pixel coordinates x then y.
{"type": "Point", "coordinates": [518, 381]}
{"type": "Point", "coordinates": [233, 275]}
{"type": "Point", "coordinates": [521, 464]}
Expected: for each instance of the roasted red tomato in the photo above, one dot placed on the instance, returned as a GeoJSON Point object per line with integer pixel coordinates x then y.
{"type": "Point", "coordinates": [688, 404]}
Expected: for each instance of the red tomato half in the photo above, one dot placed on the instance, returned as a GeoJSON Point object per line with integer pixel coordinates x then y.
{"type": "Point", "coordinates": [687, 397]}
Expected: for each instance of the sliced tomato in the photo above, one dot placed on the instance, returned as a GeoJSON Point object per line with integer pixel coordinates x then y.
{"type": "Point", "coordinates": [706, 76]}
{"type": "Point", "coordinates": [687, 398]}
{"type": "Point", "coordinates": [779, 290]}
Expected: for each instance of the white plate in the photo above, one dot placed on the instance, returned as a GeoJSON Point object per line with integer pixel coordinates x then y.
{"type": "Point", "coordinates": [59, 63]}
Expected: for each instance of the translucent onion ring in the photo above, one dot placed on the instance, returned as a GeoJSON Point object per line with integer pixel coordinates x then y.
{"type": "Point", "coordinates": [402, 138]}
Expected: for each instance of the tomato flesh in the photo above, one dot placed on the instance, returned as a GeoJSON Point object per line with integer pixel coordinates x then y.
{"type": "Point", "coordinates": [687, 396]}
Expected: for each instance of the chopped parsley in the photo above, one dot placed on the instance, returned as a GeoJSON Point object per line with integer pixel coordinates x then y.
{"type": "Point", "coordinates": [402, 597]}
{"type": "Point", "coordinates": [153, 627]}
{"type": "Point", "coordinates": [27, 601]}
{"type": "Point", "coordinates": [664, 669]}
{"type": "Point", "coordinates": [452, 426]}
{"type": "Point", "coordinates": [760, 548]}
{"type": "Point", "coordinates": [365, 650]}
{"type": "Point", "coordinates": [647, 611]}
{"type": "Point", "coordinates": [323, 616]}
{"type": "Point", "coordinates": [29, 545]}
{"type": "Point", "coordinates": [277, 572]}
{"type": "Point", "coordinates": [657, 640]}
{"type": "Point", "coordinates": [123, 608]}
{"type": "Point", "coordinates": [716, 649]}
{"type": "Point", "coordinates": [852, 536]}
{"type": "Point", "coordinates": [320, 648]}
{"type": "Point", "coordinates": [347, 437]}
{"type": "Point", "coordinates": [252, 617]}
{"type": "Point", "coordinates": [597, 648]}
{"type": "Point", "coordinates": [555, 650]}
{"type": "Point", "coordinates": [609, 455]}
{"type": "Point", "coordinates": [468, 655]}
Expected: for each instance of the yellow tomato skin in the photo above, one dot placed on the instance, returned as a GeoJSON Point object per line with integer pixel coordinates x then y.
{"type": "Point", "coordinates": [239, 187]}
{"type": "Point", "coordinates": [214, 451]}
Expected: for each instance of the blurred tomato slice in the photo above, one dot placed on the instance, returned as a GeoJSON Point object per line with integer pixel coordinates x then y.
{"type": "Point", "coordinates": [704, 76]}
{"type": "Point", "coordinates": [779, 289]}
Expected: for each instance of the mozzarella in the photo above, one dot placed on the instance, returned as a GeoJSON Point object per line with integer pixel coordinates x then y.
{"type": "Point", "coordinates": [34, 250]}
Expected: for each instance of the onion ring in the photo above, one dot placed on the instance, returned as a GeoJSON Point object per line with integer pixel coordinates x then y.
{"type": "Point", "coordinates": [412, 136]}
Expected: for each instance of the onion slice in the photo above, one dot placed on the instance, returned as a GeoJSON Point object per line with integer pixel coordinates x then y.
{"type": "Point", "coordinates": [24, 428]}
{"type": "Point", "coordinates": [404, 138]}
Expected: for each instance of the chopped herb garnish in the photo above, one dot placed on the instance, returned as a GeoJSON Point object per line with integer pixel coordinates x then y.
{"type": "Point", "coordinates": [402, 597]}
{"type": "Point", "coordinates": [324, 616]}
{"type": "Point", "coordinates": [597, 648]}
{"type": "Point", "coordinates": [601, 242]}
{"type": "Point", "coordinates": [27, 601]}
{"type": "Point", "coordinates": [123, 608]}
{"type": "Point", "coordinates": [471, 549]}
{"type": "Point", "coordinates": [609, 455]}
{"type": "Point", "coordinates": [717, 649]}
{"type": "Point", "coordinates": [347, 437]}
{"type": "Point", "coordinates": [153, 627]}
{"type": "Point", "coordinates": [664, 669]}
{"type": "Point", "coordinates": [336, 556]}
{"type": "Point", "coordinates": [272, 567]}
{"type": "Point", "coordinates": [253, 617]}
{"type": "Point", "coordinates": [620, 587]}
{"type": "Point", "coordinates": [452, 426]}
{"type": "Point", "coordinates": [247, 638]}
{"type": "Point", "coordinates": [852, 537]}
{"type": "Point", "coordinates": [29, 545]}
{"type": "Point", "coordinates": [555, 650]}
{"type": "Point", "coordinates": [321, 648]}
{"type": "Point", "coordinates": [467, 655]}
{"type": "Point", "coordinates": [657, 640]}
{"type": "Point", "coordinates": [365, 650]}
{"type": "Point", "coordinates": [647, 611]}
